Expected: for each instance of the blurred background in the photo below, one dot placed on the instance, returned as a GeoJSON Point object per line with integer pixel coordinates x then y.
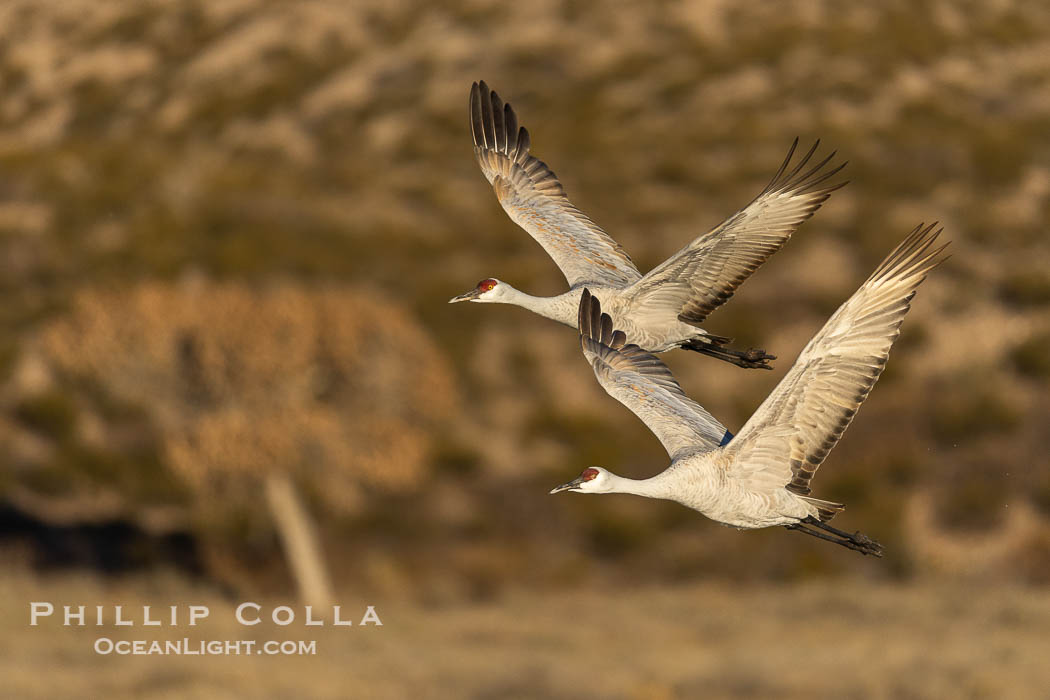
{"type": "Point", "coordinates": [228, 232]}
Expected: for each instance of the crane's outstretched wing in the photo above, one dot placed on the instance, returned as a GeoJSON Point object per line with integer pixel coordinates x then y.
{"type": "Point", "coordinates": [703, 275]}
{"type": "Point", "coordinates": [535, 200]}
{"type": "Point", "coordinates": [642, 383]}
{"type": "Point", "coordinates": [789, 435]}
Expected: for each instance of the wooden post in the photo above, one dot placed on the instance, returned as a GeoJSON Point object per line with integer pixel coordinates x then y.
{"type": "Point", "coordinates": [299, 538]}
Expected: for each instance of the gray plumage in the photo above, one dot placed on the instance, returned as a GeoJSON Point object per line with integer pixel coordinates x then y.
{"type": "Point", "coordinates": [663, 309]}
{"type": "Point", "coordinates": [644, 384]}
{"type": "Point", "coordinates": [762, 476]}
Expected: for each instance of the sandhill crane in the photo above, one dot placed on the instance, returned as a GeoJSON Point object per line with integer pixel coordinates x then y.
{"type": "Point", "coordinates": [760, 478]}
{"type": "Point", "coordinates": [664, 309]}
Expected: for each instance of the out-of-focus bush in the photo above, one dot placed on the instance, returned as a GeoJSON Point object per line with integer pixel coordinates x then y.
{"type": "Point", "coordinates": [330, 385]}
{"type": "Point", "coordinates": [336, 388]}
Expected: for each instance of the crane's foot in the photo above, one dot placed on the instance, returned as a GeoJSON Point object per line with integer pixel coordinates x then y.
{"type": "Point", "coordinates": [752, 358]}
{"type": "Point", "coordinates": [856, 541]}
{"type": "Point", "coordinates": [757, 355]}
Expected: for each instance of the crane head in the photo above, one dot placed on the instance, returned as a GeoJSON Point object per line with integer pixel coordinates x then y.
{"type": "Point", "coordinates": [488, 289]}
{"type": "Point", "coordinates": [591, 480]}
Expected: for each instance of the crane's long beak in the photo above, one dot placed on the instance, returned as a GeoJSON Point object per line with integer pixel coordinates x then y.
{"type": "Point", "coordinates": [570, 486]}
{"type": "Point", "coordinates": [466, 296]}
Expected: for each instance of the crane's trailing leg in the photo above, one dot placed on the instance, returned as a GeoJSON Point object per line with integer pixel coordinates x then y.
{"type": "Point", "coordinates": [856, 541]}
{"type": "Point", "coordinates": [752, 358]}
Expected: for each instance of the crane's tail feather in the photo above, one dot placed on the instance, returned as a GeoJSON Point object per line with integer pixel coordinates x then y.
{"type": "Point", "coordinates": [826, 510]}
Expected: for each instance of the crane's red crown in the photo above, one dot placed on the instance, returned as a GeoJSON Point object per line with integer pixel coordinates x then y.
{"type": "Point", "coordinates": [589, 473]}
{"type": "Point", "coordinates": [486, 285]}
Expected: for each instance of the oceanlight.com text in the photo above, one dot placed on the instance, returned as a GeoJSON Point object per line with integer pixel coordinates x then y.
{"type": "Point", "coordinates": [203, 647]}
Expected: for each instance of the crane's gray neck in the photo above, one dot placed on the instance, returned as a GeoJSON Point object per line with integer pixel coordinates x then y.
{"type": "Point", "coordinates": [563, 308]}
{"type": "Point", "coordinates": [653, 487]}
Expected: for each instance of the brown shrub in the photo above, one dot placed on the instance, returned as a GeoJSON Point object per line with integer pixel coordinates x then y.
{"type": "Point", "coordinates": [337, 387]}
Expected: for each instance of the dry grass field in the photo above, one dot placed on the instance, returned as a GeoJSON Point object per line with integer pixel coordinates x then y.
{"type": "Point", "coordinates": [810, 640]}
